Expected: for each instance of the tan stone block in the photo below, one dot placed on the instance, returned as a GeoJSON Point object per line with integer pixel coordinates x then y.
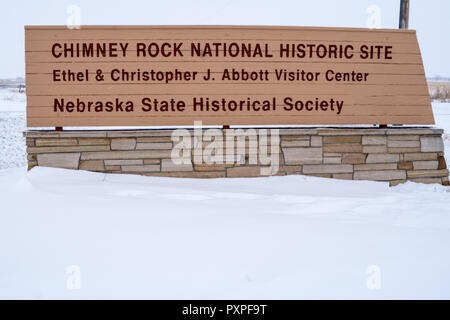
{"type": "Point", "coordinates": [374, 140]}
{"type": "Point", "coordinates": [124, 162]}
{"type": "Point", "coordinates": [374, 149]}
{"type": "Point", "coordinates": [93, 141]}
{"type": "Point", "coordinates": [351, 132]}
{"type": "Point", "coordinates": [210, 138]}
{"type": "Point", "coordinates": [343, 176]}
{"type": "Point", "coordinates": [154, 139]}
{"type": "Point", "coordinates": [59, 160]}
{"type": "Point", "coordinates": [329, 160]}
{"type": "Point", "coordinates": [375, 166]}
{"type": "Point", "coordinates": [168, 165]}
{"type": "Point", "coordinates": [92, 165]}
{"type": "Point", "coordinates": [66, 149]}
{"type": "Point", "coordinates": [427, 173]}
{"type": "Point", "coordinates": [42, 134]}
{"type": "Point", "coordinates": [152, 161]}
{"type": "Point", "coordinates": [403, 150]}
{"type": "Point", "coordinates": [30, 142]}
{"type": "Point", "coordinates": [80, 134]}
{"type": "Point", "coordinates": [332, 154]}
{"type": "Point", "coordinates": [346, 147]}
{"type": "Point", "coordinates": [384, 175]}
{"type": "Point", "coordinates": [153, 145]}
{"type": "Point", "coordinates": [188, 174]}
{"type": "Point", "coordinates": [316, 141]}
{"type": "Point", "coordinates": [295, 143]}
{"type": "Point", "coordinates": [442, 163]}
{"type": "Point", "coordinates": [31, 165]}
{"type": "Point", "coordinates": [114, 155]}
{"type": "Point", "coordinates": [56, 142]}
{"type": "Point", "coordinates": [431, 144]}
{"type": "Point", "coordinates": [382, 158]}
{"type": "Point", "coordinates": [291, 169]}
{"type": "Point", "coordinates": [413, 131]}
{"type": "Point", "coordinates": [302, 155]}
{"type": "Point", "coordinates": [123, 144]}
{"type": "Point", "coordinates": [353, 158]}
{"type": "Point", "coordinates": [244, 171]}
{"type": "Point", "coordinates": [295, 137]}
{"type": "Point", "coordinates": [328, 168]}
{"type": "Point", "coordinates": [141, 133]}
{"type": "Point", "coordinates": [405, 165]}
{"type": "Point", "coordinates": [298, 132]}
{"type": "Point", "coordinates": [404, 143]}
{"type": "Point", "coordinates": [253, 160]}
{"type": "Point", "coordinates": [141, 168]}
{"type": "Point", "coordinates": [341, 139]}
{"type": "Point", "coordinates": [428, 164]}
{"type": "Point", "coordinates": [211, 167]}
{"type": "Point", "coordinates": [404, 137]}
{"type": "Point", "coordinates": [420, 156]}
{"type": "Point", "coordinates": [237, 151]}
{"type": "Point", "coordinates": [113, 169]}
{"type": "Point", "coordinates": [319, 175]}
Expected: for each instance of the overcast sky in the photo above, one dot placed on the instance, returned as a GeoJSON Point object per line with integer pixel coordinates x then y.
{"type": "Point", "coordinates": [431, 19]}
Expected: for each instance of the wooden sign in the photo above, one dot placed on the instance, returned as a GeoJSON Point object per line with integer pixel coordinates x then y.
{"type": "Point", "coordinates": [223, 75]}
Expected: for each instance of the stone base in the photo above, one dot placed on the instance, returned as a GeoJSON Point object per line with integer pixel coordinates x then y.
{"type": "Point", "coordinates": [395, 155]}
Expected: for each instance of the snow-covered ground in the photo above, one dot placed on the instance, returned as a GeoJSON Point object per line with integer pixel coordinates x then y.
{"type": "Point", "coordinates": [278, 237]}
{"type": "Point", "coordinates": [441, 113]}
{"type": "Point", "coordinates": [12, 124]}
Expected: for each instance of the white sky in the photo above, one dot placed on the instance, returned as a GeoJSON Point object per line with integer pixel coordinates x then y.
{"type": "Point", "coordinates": [431, 19]}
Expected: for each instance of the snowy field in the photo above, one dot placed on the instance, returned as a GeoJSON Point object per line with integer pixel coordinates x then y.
{"type": "Point", "coordinates": [120, 236]}
{"type": "Point", "coordinates": [12, 124]}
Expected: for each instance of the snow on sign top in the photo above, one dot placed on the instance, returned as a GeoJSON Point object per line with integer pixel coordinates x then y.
{"type": "Point", "coordinates": [223, 75]}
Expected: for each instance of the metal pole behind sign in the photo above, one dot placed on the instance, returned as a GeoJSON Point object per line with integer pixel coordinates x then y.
{"type": "Point", "coordinates": [404, 14]}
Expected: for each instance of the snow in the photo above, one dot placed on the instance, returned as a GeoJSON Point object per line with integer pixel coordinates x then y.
{"type": "Point", "coordinates": [277, 237]}
{"type": "Point", "coordinates": [12, 100]}
{"type": "Point", "coordinates": [441, 113]}
{"type": "Point", "coordinates": [12, 124]}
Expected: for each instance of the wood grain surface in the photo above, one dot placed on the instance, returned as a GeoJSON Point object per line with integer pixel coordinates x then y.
{"type": "Point", "coordinates": [388, 87]}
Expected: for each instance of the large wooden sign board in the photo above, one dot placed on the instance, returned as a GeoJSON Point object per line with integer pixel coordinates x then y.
{"type": "Point", "coordinates": [223, 75]}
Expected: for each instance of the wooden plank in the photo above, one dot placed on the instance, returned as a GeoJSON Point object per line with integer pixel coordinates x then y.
{"type": "Point", "coordinates": [225, 89]}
